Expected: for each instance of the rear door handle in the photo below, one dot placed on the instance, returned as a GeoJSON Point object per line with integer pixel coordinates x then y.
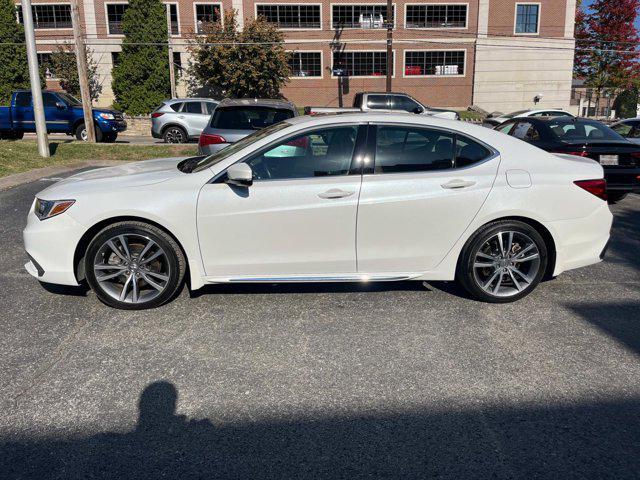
{"type": "Point", "coordinates": [457, 183]}
{"type": "Point", "coordinates": [335, 193]}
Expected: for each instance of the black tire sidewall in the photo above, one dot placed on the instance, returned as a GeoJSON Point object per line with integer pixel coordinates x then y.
{"type": "Point", "coordinates": [81, 127]}
{"type": "Point", "coordinates": [176, 272]}
{"type": "Point", "coordinates": [465, 272]}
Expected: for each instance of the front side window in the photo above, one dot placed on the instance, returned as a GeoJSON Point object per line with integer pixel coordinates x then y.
{"type": "Point", "coordinates": [436, 16]}
{"type": "Point", "coordinates": [49, 16]}
{"type": "Point", "coordinates": [523, 131]}
{"type": "Point", "coordinates": [305, 64]}
{"type": "Point", "coordinates": [505, 128]}
{"type": "Point", "coordinates": [361, 64]}
{"type": "Point", "coordinates": [290, 15]}
{"type": "Point", "coordinates": [115, 14]}
{"type": "Point", "coordinates": [49, 99]}
{"type": "Point", "coordinates": [402, 149]}
{"type": "Point", "coordinates": [405, 103]}
{"type": "Point", "coordinates": [359, 16]}
{"type": "Point", "coordinates": [623, 129]}
{"type": "Point", "coordinates": [206, 14]}
{"type": "Point", "coordinates": [319, 153]}
{"type": "Point", "coordinates": [248, 118]}
{"type": "Point", "coordinates": [434, 62]}
{"type": "Point", "coordinates": [527, 18]}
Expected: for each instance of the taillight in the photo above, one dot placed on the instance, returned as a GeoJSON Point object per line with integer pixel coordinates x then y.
{"type": "Point", "coordinates": [157, 114]}
{"type": "Point", "coordinates": [596, 187]}
{"type": "Point", "coordinates": [208, 139]}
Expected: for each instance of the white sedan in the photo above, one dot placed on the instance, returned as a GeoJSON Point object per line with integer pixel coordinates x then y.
{"type": "Point", "coordinates": [352, 197]}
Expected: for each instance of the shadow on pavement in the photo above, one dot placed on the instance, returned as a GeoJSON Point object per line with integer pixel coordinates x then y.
{"type": "Point", "coordinates": [595, 440]}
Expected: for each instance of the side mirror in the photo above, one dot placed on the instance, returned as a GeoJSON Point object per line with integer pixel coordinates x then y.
{"type": "Point", "coordinates": [60, 105]}
{"type": "Point", "coordinates": [240, 174]}
{"type": "Point", "coordinates": [418, 110]}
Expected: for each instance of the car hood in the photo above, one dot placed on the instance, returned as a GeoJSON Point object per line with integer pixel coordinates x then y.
{"type": "Point", "coordinates": [124, 176]}
{"type": "Point", "coordinates": [105, 110]}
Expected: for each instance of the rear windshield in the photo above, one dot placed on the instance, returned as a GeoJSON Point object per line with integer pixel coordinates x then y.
{"type": "Point", "coordinates": [582, 131]}
{"type": "Point", "coordinates": [514, 114]}
{"type": "Point", "coordinates": [248, 118]}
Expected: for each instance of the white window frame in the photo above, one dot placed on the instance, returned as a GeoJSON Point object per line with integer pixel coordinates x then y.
{"type": "Point", "coordinates": [331, 5]}
{"type": "Point", "coordinates": [44, 4]}
{"type": "Point", "coordinates": [106, 18]}
{"type": "Point", "coordinates": [413, 4]}
{"type": "Point", "coordinates": [393, 73]}
{"type": "Point", "coordinates": [195, 14]}
{"type": "Point", "coordinates": [321, 64]}
{"type": "Point", "coordinates": [178, 14]}
{"type": "Point", "coordinates": [515, 19]}
{"type": "Point", "coordinates": [255, 14]}
{"type": "Point", "coordinates": [404, 62]}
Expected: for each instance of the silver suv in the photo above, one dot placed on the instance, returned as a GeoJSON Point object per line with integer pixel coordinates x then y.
{"type": "Point", "coordinates": [235, 118]}
{"type": "Point", "coordinates": [181, 119]}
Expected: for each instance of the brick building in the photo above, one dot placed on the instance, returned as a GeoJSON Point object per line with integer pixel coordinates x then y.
{"type": "Point", "coordinates": [497, 54]}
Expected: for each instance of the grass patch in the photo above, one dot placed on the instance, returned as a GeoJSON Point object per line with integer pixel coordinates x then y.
{"type": "Point", "coordinates": [469, 115]}
{"type": "Point", "coordinates": [21, 156]}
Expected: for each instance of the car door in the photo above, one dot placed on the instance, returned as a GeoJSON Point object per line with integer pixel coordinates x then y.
{"type": "Point", "coordinates": [423, 190]}
{"type": "Point", "coordinates": [195, 116]}
{"type": "Point", "coordinates": [296, 220]}
{"type": "Point", "coordinates": [23, 112]}
{"type": "Point", "coordinates": [57, 118]}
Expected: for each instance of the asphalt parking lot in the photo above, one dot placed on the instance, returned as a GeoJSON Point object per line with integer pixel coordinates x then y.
{"type": "Point", "coordinates": [395, 380]}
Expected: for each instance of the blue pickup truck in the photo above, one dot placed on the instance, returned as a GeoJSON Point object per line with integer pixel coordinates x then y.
{"type": "Point", "coordinates": [63, 114]}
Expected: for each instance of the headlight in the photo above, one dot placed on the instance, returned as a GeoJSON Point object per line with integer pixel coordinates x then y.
{"type": "Point", "coordinates": [107, 116]}
{"type": "Point", "coordinates": [50, 208]}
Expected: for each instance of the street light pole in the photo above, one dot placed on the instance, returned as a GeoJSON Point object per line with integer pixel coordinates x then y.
{"type": "Point", "coordinates": [83, 73]}
{"type": "Point", "coordinates": [390, 21]}
{"type": "Point", "coordinates": [34, 76]}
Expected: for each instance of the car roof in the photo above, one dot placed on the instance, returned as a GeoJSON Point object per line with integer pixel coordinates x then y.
{"type": "Point", "coordinates": [191, 99]}
{"type": "Point", "coordinates": [381, 116]}
{"type": "Point", "coordinates": [256, 102]}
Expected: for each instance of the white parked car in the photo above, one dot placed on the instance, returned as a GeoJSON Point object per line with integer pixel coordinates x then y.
{"type": "Point", "coordinates": [545, 112]}
{"type": "Point", "coordinates": [350, 197]}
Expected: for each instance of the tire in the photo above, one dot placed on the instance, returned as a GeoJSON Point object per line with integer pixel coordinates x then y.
{"type": "Point", "coordinates": [17, 135]}
{"type": "Point", "coordinates": [174, 134]}
{"type": "Point", "coordinates": [147, 277]}
{"type": "Point", "coordinates": [481, 266]}
{"type": "Point", "coordinates": [613, 198]}
{"type": "Point", "coordinates": [81, 133]}
{"type": "Point", "coordinates": [109, 137]}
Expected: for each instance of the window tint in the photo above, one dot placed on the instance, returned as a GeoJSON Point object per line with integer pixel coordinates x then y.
{"type": "Point", "coordinates": [583, 131]}
{"type": "Point", "coordinates": [623, 129]}
{"type": "Point", "coordinates": [402, 149]}
{"type": "Point", "coordinates": [23, 99]}
{"type": "Point", "coordinates": [315, 154]}
{"type": "Point", "coordinates": [378, 102]}
{"type": "Point", "coordinates": [176, 106]}
{"type": "Point", "coordinates": [192, 107]}
{"type": "Point", "coordinates": [404, 103]}
{"type": "Point", "coordinates": [210, 107]}
{"type": "Point", "coordinates": [525, 131]}
{"type": "Point", "coordinates": [248, 118]}
{"type": "Point", "coordinates": [505, 128]}
{"type": "Point", "coordinates": [49, 99]}
{"type": "Point", "coordinates": [636, 132]}
{"type": "Point", "coordinates": [469, 151]}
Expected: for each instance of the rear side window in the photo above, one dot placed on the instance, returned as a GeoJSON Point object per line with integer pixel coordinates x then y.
{"type": "Point", "coordinates": [469, 151]}
{"type": "Point", "coordinates": [176, 106]}
{"type": "Point", "coordinates": [378, 102]}
{"type": "Point", "coordinates": [192, 107]}
{"type": "Point", "coordinates": [623, 129]}
{"type": "Point", "coordinates": [583, 131]}
{"type": "Point", "coordinates": [210, 107]}
{"type": "Point", "coordinates": [23, 99]}
{"type": "Point", "coordinates": [248, 118]}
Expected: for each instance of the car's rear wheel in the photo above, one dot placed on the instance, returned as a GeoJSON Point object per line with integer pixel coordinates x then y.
{"type": "Point", "coordinates": [503, 262]}
{"type": "Point", "coordinates": [175, 135]}
{"type": "Point", "coordinates": [134, 265]}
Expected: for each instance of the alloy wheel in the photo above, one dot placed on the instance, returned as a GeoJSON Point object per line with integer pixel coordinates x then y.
{"type": "Point", "coordinates": [174, 135]}
{"type": "Point", "coordinates": [132, 268]}
{"type": "Point", "coordinates": [506, 264]}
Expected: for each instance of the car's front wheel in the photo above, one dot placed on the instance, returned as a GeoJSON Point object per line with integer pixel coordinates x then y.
{"type": "Point", "coordinates": [133, 265]}
{"type": "Point", "coordinates": [503, 262]}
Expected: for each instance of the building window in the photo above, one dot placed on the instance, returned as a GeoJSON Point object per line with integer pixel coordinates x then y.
{"type": "Point", "coordinates": [44, 61]}
{"type": "Point", "coordinates": [359, 16]}
{"type": "Point", "coordinates": [173, 14]}
{"type": "Point", "coordinates": [527, 18]}
{"type": "Point", "coordinates": [361, 64]}
{"type": "Point", "coordinates": [305, 64]}
{"type": "Point", "coordinates": [291, 16]}
{"type": "Point", "coordinates": [49, 16]}
{"type": "Point", "coordinates": [207, 13]}
{"type": "Point", "coordinates": [115, 58]}
{"type": "Point", "coordinates": [177, 64]}
{"type": "Point", "coordinates": [436, 16]}
{"type": "Point", "coordinates": [434, 62]}
{"type": "Point", "coordinates": [115, 14]}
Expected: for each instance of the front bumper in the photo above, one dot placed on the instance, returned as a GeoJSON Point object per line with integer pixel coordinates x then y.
{"type": "Point", "coordinates": [112, 126]}
{"type": "Point", "coordinates": [50, 245]}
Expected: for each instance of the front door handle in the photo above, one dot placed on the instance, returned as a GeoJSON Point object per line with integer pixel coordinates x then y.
{"type": "Point", "coordinates": [335, 193]}
{"type": "Point", "coordinates": [458, 183]}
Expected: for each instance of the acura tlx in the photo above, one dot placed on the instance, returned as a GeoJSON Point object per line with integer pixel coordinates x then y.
{"type": "Point", "coordinates": [335, 198]}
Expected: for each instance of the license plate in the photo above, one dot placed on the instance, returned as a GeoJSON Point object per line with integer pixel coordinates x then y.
{"type": "Point", "coordinates": [609, 159]}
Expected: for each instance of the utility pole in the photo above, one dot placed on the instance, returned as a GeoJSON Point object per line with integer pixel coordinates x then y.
{"type": "Point", "coordinates": [390, 21]}
{"type": "Point", "coordinates": [34, 76]}
{"type": "Point", "coordinates": [83, 73]}
{"type": "Point", "coordinates": [172, 73]}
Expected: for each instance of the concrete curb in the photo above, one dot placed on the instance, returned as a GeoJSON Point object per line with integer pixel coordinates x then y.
{"type": "Point", "coordinates": [11, 181]}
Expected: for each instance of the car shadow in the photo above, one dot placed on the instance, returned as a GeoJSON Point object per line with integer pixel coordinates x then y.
{"type": "Point", "coordinates": [66, 290]}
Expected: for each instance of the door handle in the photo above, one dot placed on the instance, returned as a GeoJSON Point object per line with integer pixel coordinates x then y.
{"type": "Point", "coordinates": [180, 116]}
{"type": "Point", "coordinates": [335, 193]}
{"type": "Point", "coordinates": [457, 183]}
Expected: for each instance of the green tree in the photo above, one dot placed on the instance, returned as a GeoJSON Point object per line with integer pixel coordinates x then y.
{"type": "Point", "coordinates": [141, 77]}
{"type": "Point", "coordinates": [626, 103]}
{"type": "Point", "coordinates": [65, 68]}
{"type": "Point", "coordinates": [14, 70]}
{"type": "Point", "coordinates": [226, 62]}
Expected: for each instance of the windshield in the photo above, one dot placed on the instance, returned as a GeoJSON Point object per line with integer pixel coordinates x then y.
{"type": "Point", "coordinates": [582, 131]}
{"type": "Point", "coordinates": [248, 118]}
{"type": "Point", "coordinates": [198, 164]}
{"type": "Point", "coordinates": [69, 99]}
{"type": "Point", "coordinates": [514, 114]}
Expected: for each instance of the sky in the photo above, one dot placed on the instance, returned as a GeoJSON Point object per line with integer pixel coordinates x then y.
{"type": "Point", "coordinates": [587, 3]}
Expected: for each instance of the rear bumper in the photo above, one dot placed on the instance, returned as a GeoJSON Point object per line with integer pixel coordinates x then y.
{"type": "Point", "coordinates": [622, 180]}
{"type": "Point", "coordinates": [210, 149]}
